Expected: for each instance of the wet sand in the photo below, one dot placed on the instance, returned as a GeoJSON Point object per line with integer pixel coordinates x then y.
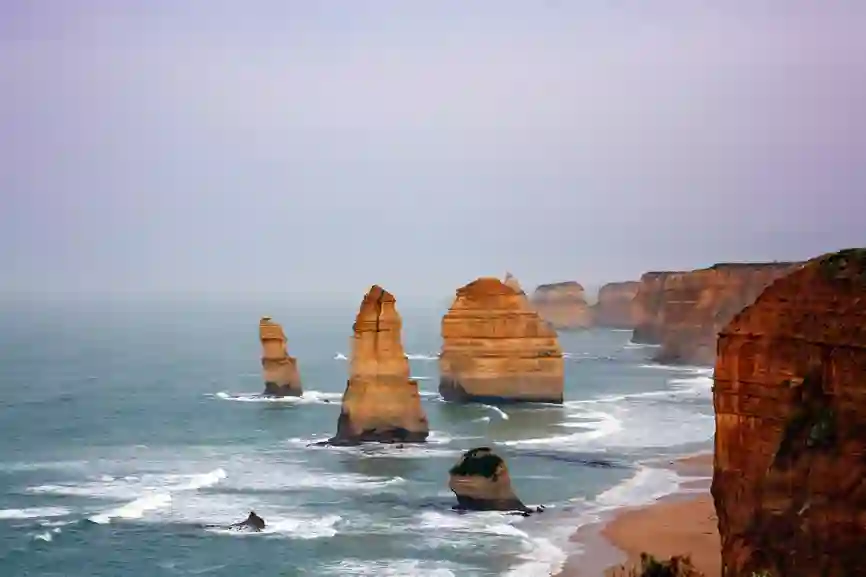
{"type": "Point", "coordinates": [682, 523]}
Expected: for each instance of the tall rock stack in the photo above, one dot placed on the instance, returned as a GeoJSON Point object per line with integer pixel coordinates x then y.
{"type": "Point", "coordinates": [381, 403]}
{"type": "Point", "coordinates": [789, 480]}
{"type": "Point", "coordinates": [563, 305]}
{"type": "Point", "coordinates": [616, 306]}
{"type": "Point", "coordinates": [497, 349]}
{"type": "Point", "coordinates": [280, 371]}
{"type": "Point", "coordinates": [697, 304]}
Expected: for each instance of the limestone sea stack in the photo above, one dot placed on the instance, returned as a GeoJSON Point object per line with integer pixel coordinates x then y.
{"type": "Point", "coordinates": [481, 482]}
{"type": "Point", "coordinates": [381, 403]}
{"type": "Point", "coordinates": [280, 371]}
{"type": "Point", "coordinates": [696, 305]}
{"type": "Point", "coordinates": [563, 305]}
{"type": "Point", "coordinates": [496, 349]}
{"type": "Point", "coordinates": [616, 308]}
{"type": "Point", "coordinates": [789, 479]}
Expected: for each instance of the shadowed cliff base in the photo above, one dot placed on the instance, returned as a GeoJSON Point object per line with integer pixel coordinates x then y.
{"type": "Point", "coordinates": [512, 390]}
{"type": "Point", "coordinates": [790, 398]}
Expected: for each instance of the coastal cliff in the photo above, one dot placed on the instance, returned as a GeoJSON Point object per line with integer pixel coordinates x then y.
{"type": "Point", "coordinates": [616, 307]}
{"type": "Point", "coordinates": [789, 479]}
{"type": "Point", "coordinates": [648, 308]}
{"type": "Point", "coordinates": [563, 305]}
{"type": "Point", "coordinates": [279, 370]}
{"type": "Point", "coordinates": [381, 403]}
{"type": "Point", "coordinates": [696, 305]}
{"type": "Point", "coordinates": [497, 349]}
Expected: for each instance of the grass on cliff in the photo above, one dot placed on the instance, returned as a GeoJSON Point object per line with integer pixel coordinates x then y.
{"type": "Point", "coordinates": [812, 423]}
{"type": "Point", "coordinates": [847, 263]}
{"type": "Point", "coordinates": [477, 462]}
{"type": "Point", "coordinates": [676, 566]}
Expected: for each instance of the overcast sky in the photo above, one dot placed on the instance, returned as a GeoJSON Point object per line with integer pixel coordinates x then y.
{"type": "Point", "coordinates": [298, 147]}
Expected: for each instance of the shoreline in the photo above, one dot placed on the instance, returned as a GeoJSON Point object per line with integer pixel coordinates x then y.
{"type": "Point", "coordinates": [620, 535]}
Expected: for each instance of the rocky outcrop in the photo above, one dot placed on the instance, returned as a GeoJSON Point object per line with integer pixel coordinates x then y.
{"type": "Point", "coordinates": [511, 281]}
{"type": "Point", "coordinates": [789, 480]}
{"type": "Point", "coordinates": [381, 403]}
{"type": "Point", "coordinates": [696, 305]}
{"type": "Point", "coordinates": [497, 349]}
{"type": "Point", "coordinates": [280, 371]}
{"type": "Point", "coordinates": [648, 309]}
{"type": "Point", "coordinates": [563, 305]}
{"type": "Point", "coordinates": [616, 307]}
{"type": "Point", "coordinates": [481, 482]}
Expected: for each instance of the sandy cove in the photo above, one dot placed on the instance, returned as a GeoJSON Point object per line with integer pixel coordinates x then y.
{"type": "Point", "coordinates": [682, 523]}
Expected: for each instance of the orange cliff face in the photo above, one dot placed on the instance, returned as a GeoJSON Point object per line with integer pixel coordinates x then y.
{"type": "Point", "coordinates": [648, 308]}
{"type": "Point", "coordinates": [495, 348]}
{"type": "Point", "coordinates": [616, 307]}
{"type": "Point", "coordinates": [696, 305]}
{"type": "Point", "coordinates": [789, 480]}
{"type": "Point", "coordinates": [381, 403]}
{"type": "Point", "coordinates": [279, 370]}
{"type": "Point", "coordinates": [563, 305]}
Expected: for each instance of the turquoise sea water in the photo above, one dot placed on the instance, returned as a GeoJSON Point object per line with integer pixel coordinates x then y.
{"type": "Point", "coordinates": [127, 426]}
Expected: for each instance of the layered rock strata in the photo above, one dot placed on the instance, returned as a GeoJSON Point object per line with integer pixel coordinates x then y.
{"type": "Point", "coordinates": [481, 482]}
{"type": "Point", "coordinates": [496, 349]}
{"type": "Point", "coordinates": [279, 370]}
{"type": "Point", "coordinates": [789, 479]}
{"type": "Point", "coordinates": [381, 402]}
{"type": "Point", "coordinates": [696, 305]}
{"type": "Point", "coordinates": [648, 308]}
{"type": "Point", "coordinates": [563, 305]}
{"type": "Point", "coordinates": [616, 307]}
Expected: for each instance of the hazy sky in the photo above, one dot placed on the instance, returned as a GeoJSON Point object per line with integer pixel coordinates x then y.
{"type": "Point", "coordinates": [319, 147]}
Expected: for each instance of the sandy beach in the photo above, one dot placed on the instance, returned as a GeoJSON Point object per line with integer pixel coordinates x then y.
{"type": "Point", "coordinates": [680, 524]}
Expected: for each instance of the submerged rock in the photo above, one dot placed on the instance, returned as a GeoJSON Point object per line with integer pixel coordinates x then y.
{"type": "Point", "coordinates": [481, 482]}
{"type": "Point", "coordinates": [381, 404]}
{"type": "Point", "coordinates": [280, 371]}
{"type": "Point", "coordinates": [252, 523]}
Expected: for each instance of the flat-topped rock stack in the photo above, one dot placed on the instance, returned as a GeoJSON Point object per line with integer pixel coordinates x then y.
{"type": "Point", "coordinates": [563, 305]}
{"type": "Point", "coordinates": [497, 349]}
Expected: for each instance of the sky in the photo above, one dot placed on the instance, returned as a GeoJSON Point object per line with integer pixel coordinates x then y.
{"type": "Point", "coordinates": [316, 148]}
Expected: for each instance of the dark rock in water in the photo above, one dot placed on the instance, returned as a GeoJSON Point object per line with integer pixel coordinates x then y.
{"type": "Point", "coordinates": [252, 523]}
{"type": "Point", "coordinates": [481, 482]}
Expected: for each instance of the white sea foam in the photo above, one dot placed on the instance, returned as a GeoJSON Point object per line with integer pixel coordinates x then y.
{"type": "Point", "coordinates": [296, 527]}
{"type": "Point", "coordinates": [498, 411]}
{"type": "Point", "coordinates": [33, 512]}
{"type": "Point", "coordinates": [340, 357]}
{"type": "Point", "coordinates": [308, 398]}
{"type": "Point", "coordinates": [134, 509]}
{"type": "Point", "coordinates": [422, 357]}
{"type": "Point", "coordinates": [46, 536]}
{"type": "Point", "coordinates": [604, 425]}
{"type": "Point", "coordinates": [485, 419]}
{"type": "Point", "coordinates": [395, 568]}
{"type": "Point", "coordinates": [646, 486]}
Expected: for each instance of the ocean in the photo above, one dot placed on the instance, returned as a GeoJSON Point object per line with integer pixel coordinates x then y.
{"type": "Point", "coordinates": [127, 426]}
